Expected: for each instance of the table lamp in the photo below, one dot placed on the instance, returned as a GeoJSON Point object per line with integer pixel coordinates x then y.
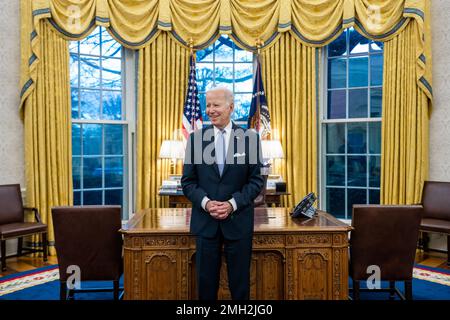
{"type": "Point", "coordinates": [271, 149]}
{"type": "Point", "coordinates": [172, 149]}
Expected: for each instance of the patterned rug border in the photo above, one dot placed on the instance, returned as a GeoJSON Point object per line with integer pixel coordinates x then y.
{"type": "Point", "coordinates": [432, 275]}
{"type": "Point", "coordinates": [28, 279]}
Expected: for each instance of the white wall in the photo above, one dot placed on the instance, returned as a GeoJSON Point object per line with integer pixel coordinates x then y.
{"type": "Point", "coordinates": [440, 116]}
{"type": "Point", "coordinates": [11, 127]}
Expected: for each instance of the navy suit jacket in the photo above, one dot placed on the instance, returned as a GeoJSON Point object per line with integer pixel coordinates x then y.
{"type": "Point", "coordinates": [241, 179]}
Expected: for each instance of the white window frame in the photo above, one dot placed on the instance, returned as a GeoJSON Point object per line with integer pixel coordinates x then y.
{"type": "Point", "coordinates": [129, 78]}
{"type": "Point", "coordinates": [233, 62]}
{"type": "Point", "coordinates": [323, 121]}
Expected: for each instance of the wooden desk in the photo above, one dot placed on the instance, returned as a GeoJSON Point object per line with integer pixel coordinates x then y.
{"type": "Point", "coordinates": [292, 258]}
{"type": "Point", "coordinates": [175, 199]}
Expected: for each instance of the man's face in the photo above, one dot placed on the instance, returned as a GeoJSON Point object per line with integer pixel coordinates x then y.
{"type": "Point", "coordinates": [218, 109]}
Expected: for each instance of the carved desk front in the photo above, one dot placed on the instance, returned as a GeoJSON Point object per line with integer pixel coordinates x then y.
{"type": "Point", "coordinates": [292, 258]}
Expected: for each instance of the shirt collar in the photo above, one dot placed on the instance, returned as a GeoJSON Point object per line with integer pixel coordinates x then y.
{"type": "Point", "coordinates": [227, 129]}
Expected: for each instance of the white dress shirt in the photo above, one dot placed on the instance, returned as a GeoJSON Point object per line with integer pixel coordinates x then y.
{"type": "Point", "coordinates": [227, 135]}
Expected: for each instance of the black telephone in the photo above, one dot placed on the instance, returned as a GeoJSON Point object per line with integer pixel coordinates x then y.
{"type": "Point", "coordinates": [305, 207]}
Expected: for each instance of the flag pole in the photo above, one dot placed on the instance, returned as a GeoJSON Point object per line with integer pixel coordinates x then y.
{"type": "Point", "coordinates": [192, 59]}
{"type": "Point", "coordinates": [258, 89]}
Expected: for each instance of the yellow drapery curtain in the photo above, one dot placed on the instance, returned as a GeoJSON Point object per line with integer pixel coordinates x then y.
{"type": "Point", "coordinates": [136, 23]}
{"type": "Point", "coordinates": [162, 78]}
{"type": "Point", "coordinates": [47, 132]}
{"type": "Point", "coordinates": [289, 75]}
{"type": "Point", "coordinates": [404, 156]}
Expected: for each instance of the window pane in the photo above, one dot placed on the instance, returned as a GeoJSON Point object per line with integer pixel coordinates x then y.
{"type": "Point", "coordinates": [111, 73]}
{"type": "Point", "coordinates": [224, 75]}
{"type": "Point", "coordinates": [113, 172]}
{"type": "Point", "coordinates": [376, 70]}
{"type": "Point", "coordinates": [113, 197]}
{"type": "Point", "coordinates": [205, 76]}
{"type": "Point", "coordinates": [337, 73]}
{"type": "Point", "coordinates": [92, 197]}
{"type": "Point", "coordinates": [224, 49]}
{"type": "Point", "coordinates": [336, 138]}
{"type": "Point", "coordinates": [375, 137]}
{"type": "Point", "coordinates": [92, 173]}
{"type": "Point", "coordinates": [91, 44]}
{"type": "Point", "coordinates": [357, 171]}
{"type": "Point", "coordinates": [205, 55]}
{"type": "Point", "coordinates": [336, 202]}
{"type": "Point", "coordinates": [358, 72]}
{"type": "Point", "coordinates": [76, 139]}
{"type": "Point", "coordinates": [96, 94]}
{"type": "Point", "coordinates": [74, 102]}
{"type": "Point", "coordinates": [90, 104]}
{"type": "Point", "coordinates": [73, 69]}
{"type": "Point", "coordinates": [352, 153]}
{"type": "Point", "coordinates": [357, 138]}
{"type": "Point", "coordinates": [355, 196]}
{"type": "Point", "coordinates": [375, 102]}
{"type": "Point", "coordinates": [358, 43]}
{"type": "Point", "coordinates": [335, 170]}
{"type": "Point", "coordinates": [336, 104]}
{"type": "Point", "coordinates": [357, 103]}
{"type": "Point", "coordinates": [242, 55]}
{"type": "Point", "coordinates": [241, 106]}
{"type": "Point", "coordinates": [73, 46]}
{"type": "Point", "coordinates": [374, 171]}
{"type": "Point", "coordinates": [374, 196]}
{"type": "Point", "coordinates": [376, 46]}
{"type": "Point", "coordinates": [202, 98]}
{"type": "Point", "coordinates": [92, 139]}
{"type": "Point", "coordinates": [110, 47]}
{"type": "Point", "coordinates": [77, 198]}
{"type": "Point", "coordinates": [243, 73]}
{"type": "Point", "coordinates": [76, 172]}
{"type": "Point", "coordinates": [112, 105]}
{"type": "Point", "coordinates": [339, 46]}
{"type": "Point", "coordinates": [113, 139]}
{"type": "Point", "coordinates": [89, 72]}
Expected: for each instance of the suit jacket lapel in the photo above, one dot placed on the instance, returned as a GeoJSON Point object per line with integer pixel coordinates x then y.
{"type": "Point", "coordinates": [205, 143]}
{"type": "Point", "coordinates": [231, 149]}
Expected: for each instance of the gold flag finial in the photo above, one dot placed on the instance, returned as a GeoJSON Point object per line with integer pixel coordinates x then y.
{"type": "Point", "coordinates": [259, 43]}
{"type": "Point", "coordinates": [191, 44]}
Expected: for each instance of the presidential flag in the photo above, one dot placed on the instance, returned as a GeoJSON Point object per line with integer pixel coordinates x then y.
{"type": "Point", "coordinates": [192, 115]}
{"type": "Point", "coordinates": [259, 117]}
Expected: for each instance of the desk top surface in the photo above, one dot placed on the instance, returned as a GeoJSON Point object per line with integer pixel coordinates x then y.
{"type": "Point", "coordinates": [176, 220]}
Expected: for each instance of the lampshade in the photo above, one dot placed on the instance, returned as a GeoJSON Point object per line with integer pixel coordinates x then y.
{"type": "Point", "coordinates": [272, 149]}
{"type": "Point", "coordinates": [172, 149]}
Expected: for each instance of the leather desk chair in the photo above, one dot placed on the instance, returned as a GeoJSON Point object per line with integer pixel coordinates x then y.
{"type": "Point", "coordinates": [88, 237]}
{"type": "Point", "coordinates": [436, 212]}
{"type": "Point", "coordinates": [384, 236]}
{"type": "Point", "coordinates": [12, 225]}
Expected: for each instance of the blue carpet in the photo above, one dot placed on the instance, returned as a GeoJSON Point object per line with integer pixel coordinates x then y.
{"type": "Point", "coordinates": [50, 290]}
{"type": "Point", "coordinates": [422, 290]}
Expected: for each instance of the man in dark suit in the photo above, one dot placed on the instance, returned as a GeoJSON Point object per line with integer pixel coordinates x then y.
{"type": "Point", "coordinates": [221, 177]}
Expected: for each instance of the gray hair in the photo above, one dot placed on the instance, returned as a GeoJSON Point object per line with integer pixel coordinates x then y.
{"type": "Point", "coordinates": [227, 93]}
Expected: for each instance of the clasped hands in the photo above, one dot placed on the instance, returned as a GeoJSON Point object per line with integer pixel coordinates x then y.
{"type": "Point", "coordinates": [219, 209]}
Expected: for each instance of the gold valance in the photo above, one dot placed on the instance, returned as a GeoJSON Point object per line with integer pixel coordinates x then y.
{"type": "Point", "coordinates": [136, 23]}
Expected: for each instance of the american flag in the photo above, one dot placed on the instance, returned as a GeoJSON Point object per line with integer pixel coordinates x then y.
{"type": "Point", "coordinates": [192, 115]}
{"type": "Point", "coordinates": [259, 117]}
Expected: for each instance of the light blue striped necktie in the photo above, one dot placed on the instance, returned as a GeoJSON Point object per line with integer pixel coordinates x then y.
{"type": "Point", "coordinates": [220, 151]}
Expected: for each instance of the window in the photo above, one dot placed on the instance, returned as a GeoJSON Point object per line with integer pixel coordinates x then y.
{"type": "Point", "coordinates": [225, 64]}
{"type": "Point", "coordinates": [351, 124]}
{"type": "Point", "coordinates": [99, 121]}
